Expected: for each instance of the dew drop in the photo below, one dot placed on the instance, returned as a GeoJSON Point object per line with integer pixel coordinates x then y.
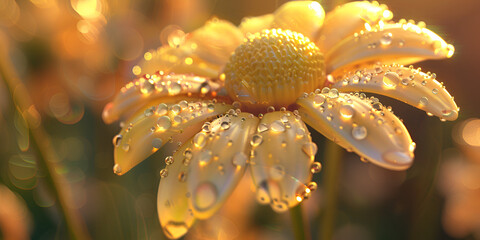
{"type": "Point", "coordinates": [163, 173]}
{"type": "Point", "coordinates": [316, 167]}
{"type": "Point", "coordinates": [126, 147]}
{"type": "Point", "coordinates": [333, 93]}
{"type": "Point", "coordinates": [168, 160]}
{"type": "Point", "coordinates": [116, 140]}
{"type": "Point", "coordinates": [386, 39]}
{"type": "Point", "coordinates": [162, 109]}
{"type": "Point", "coordinates": [188, 154]}
{"type": "Point", "coordinates": [262, 193]}
{"type": "Point", "coordinates": [262, 127]}
{"type": "Point", "coordinates": [225, 125]}
{"type": "Point", "coordinates": [435, 91]}
{"type": "Point", "coordinates": [319, 99]}
{"type": "Point", "coordinates": [391, 79]}
{"type": "Point", "coordinates": [174, 88]}
{"type": "Point", "coordinates": [277, 126]}
{"type": "Point", "coordinates": [256, 140]}
{"type": "Point", "coordinates": [270, 109]}
{"type": "Point", "coordinates": [205, 196]}
{"type": "Point", "coordinates": [182, 176]}
{"type": "Point", "coordinates": [157, 143]}
{"type": "Point", "coordinates": [211, 107]}
{"type": "Point", "coordinates": [117, 169]}
{"type": "Point", "coordinates": [346, 111]}
{"type": "Point", "coordinates": [200, 140]}
{"type": "Point", "coordinates": [312, 186]}
{"type": "Point", "coordinates": [149, 111]}
{"type": "Point", "coordinates": [146, 87]}
{"type": "Point", "coordinates": [164, 123]}
{"type": "Point", "coordinates": [359, 132]}
{"type": "Point", "coordinates": [423, 101]}
{"type": "Point", "coordinates": [310, 149]}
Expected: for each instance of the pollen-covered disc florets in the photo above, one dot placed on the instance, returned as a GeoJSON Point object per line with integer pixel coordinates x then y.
{"type": "Point", "coordinates": [273, 68]}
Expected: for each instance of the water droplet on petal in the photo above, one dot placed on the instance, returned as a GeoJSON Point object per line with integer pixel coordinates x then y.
{"type": "Point", "coordinates": [200, 140]}
{"type": "Point", "coordinates": [116, 140]}
{"type": "Point", "coordinates": [277, 126]}
{"type": "Point", "coordinates": [435, 91]}
{"type": "Point", "coordinates": [359, 132]}
{"type": "Point", "coordinates": [346, 111]}
{"type": "Point", "coordinates": [316, 167]}
{"type": "Point", "coordinates": [312, 186]}
{"type": "Point", "coordinates": [117, 169]}
{"type": "Point", "coordinates": [163, 173]}
{"type": "Point", "coordinates": [319, 99]}
{"type": "Point", "coordinates": [262, 193]}
{"type": "Point", "coordinates": [168, 160]}
{"type": "Point", "coordinates": [262, 127]}
{"type": "Point", "coordinates": [310, 149]}
{"type": "Point", "coordinates": [174, 230]}
{"type": "Point", "coordinates": [146, 87]}
{"type": "Point", "coordinates": [386, 39]}
{"type": "Point", "coordinates": [225, 125]}
{"type": "Point", "coordinates": [391, 79]}
{"type": "Point", "coordinates": [157, 143]}
{"type": "Point", "coordinates": [162, 109]}
{"type": "Point", "coordinates": [164, 123]}
{"type": "Point", "coordinates": [423, 101]}
{"type": "Point", "coordinates": [174, 88]}
{"type": "Point", "coordinates": [205, 196]}
{"type": "Point", "coordinates": [333, 93]}
{"type": "Point", "coordinates": [256, 140]}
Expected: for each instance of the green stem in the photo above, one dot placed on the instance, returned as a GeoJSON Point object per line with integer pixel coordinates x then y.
{"type": "Point", "coordinates": [40, 139]}
{"type": "Point", "coordinates": [299, 225]}
{"type": "Point", "coordinates": [333, 167]}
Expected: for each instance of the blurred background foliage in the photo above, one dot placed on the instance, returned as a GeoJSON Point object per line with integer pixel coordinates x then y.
{"type": "Point", "coordinates": [73, 56]}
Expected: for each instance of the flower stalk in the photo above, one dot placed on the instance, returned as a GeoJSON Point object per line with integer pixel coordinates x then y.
{"type": "Point", "coordinates": [333, 167]}
{"type": "Point", "coordinates": [299, 223]}
{"type": "Point", "coordinates": [47, 157]}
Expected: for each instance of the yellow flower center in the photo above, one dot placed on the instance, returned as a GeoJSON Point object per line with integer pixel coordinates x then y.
{"type": "Point", "coordinates": [273, 68]}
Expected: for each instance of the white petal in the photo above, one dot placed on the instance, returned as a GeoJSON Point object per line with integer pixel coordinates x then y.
{"type": "Point", "coordinates": [360, 125]}
{"type": "Point", "coordinates": [216, 41]}
{"type": "Point", "coordinates": [406, 84]}
{"type": "Point", "coordinates": [281, 158]}
{"type": "Point", "coordinates": [148, 131]}
{"type": "Point", "coordinates": [251, 25]}
{"type": "Point", "coordinates": [202, 52]}
{"type": "Point", "coordinates": [180, 60]}
{"type": "Point", "coordinates": [173, 197]}
{"type": "Point", "coordinates": [219, 160]}
{"type": "Point", "coordinates": [347, 19]}
{"type": "Point", "coordinates": [305, 17]}
{"type": "Point", "coordinates": [169, 88]}
{"type": "Point", "coordinates": [402, 43]}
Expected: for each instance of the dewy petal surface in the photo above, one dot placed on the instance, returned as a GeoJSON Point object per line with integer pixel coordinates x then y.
{"type": "Point", "coordinates": [360, 125]}
{"type": "Point", "coordinates": [202, 52]}
{"type": "Point", "coordinates": [305, 17]}
{"type": "Point", "coordinates": [406, 84]}
{"type": "Point", "coordinates": [347, 19]}
{"type": "Point", "coordinates": [174, 211]}
{"type": "Point", "coordinates": [180, 59]}
{"type": "Point", "coordinates": [402, 43]}
{"type": "Point", "coordinates": [150, 130]}
{"type": "Point", "coordinates": [281, 157]}
{"type": "Point", "coordinates": [219, 157]}
{"type": "Point", "coordinates": [152, 87]}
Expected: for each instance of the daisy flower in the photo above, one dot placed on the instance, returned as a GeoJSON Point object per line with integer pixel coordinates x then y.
{"type": "Point", "coordinates": [242, 95]}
